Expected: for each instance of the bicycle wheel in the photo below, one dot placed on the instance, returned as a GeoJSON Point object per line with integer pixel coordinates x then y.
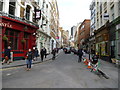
{"type": "Point", "coordinates": [103, 74]}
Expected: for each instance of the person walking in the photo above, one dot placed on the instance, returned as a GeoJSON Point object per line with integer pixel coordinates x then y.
{"type": "Point", "coordinates": [7, 55]}
{"type": "Point", "coordinates": [36, 54]}
{"type": "Point", "coordinates": [42, 54]}
{"type": "Point", "coordinates": [45, 52]}
{"type": "Point", "coordinates": [54, 54]}
{"type": "Point", "coordinates": [80, 53]}
{"type": "Point", "coordinates": [29, 59]}
{"type": "Point", "coordinates": [84, 54]}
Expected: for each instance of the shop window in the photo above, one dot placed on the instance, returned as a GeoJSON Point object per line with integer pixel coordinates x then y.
{"type": "Point", "coordinates": [12, 7]}
{"type": "Point", "coordinates": [12, 38]}
{"type": "Point", "coordinates": [1, 5]}
{"type": "Point", "coordinates": [26, 36]}
{"type": "Point", "coordinates": [28, 12]}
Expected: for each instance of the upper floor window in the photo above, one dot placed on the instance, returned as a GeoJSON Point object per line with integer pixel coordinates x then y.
{"type": "Point", "coordinates": [1, 5]}
{"type": "Point", "coordinates": [28, 12]}
{"type": "Point", "coordinates": [82, 26]}
{"type": "Point", "coordinates": [12, 7]}
{"type": "Point", "coordinates": [112, 12]}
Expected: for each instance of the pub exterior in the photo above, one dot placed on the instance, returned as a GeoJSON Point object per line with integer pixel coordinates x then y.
{"type": "Point", "coordinates": [18, 33]}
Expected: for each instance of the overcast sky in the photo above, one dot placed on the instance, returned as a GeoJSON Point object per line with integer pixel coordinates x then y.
{"type": "Point", "coordinates": [72, 12]}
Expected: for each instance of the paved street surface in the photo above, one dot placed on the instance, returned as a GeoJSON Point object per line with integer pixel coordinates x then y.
{"type": "Point", "coordinates": [64, 72]}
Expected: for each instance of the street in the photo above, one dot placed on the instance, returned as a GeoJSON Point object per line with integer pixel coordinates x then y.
{"type": "Point", "coordinates": [64, 72]}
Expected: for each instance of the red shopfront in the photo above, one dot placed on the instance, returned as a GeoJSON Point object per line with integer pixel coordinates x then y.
{"type": "Point", "coordinates": [20, 35]}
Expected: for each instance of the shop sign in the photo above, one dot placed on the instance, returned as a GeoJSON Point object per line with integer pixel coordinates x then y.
{"type": "Point", "coordinates": [37, 14]}
{"type": "Point", "coordinates": [2, 24]}
{"type": "Point", "coordinates": [106, 16]}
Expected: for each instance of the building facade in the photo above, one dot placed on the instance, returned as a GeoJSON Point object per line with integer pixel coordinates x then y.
{"type": "Point", "coordinates": [106, 16]}
{"type": "Point", "coordinates": [18, 28]}
{"type": "Point", "coordinates": [43, 33]}
{"type": "Point", "coordinates": [54, 25]}
{"type": "Point", "coordinates": [83, 34]}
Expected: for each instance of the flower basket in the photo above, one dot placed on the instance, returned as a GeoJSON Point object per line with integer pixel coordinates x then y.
{"type": "Point", "coordinates": [5, 38]}
{"type": "Point", "coordinates": [23, 40]}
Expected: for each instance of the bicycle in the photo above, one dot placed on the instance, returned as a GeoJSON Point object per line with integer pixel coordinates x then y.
{"type": "Point", "coordinates": [95, 68]}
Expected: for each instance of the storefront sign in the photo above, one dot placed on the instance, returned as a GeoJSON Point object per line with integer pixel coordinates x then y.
{"type": "Point", "coordinates": [37, 14]}
{"type": "Point", "coordinates": [106, 16]}
{"type": "Point", "coordinates": [2, 24]}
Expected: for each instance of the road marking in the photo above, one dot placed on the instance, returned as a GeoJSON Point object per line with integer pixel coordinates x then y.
{"type": "Point", "coordinates": [9, 74]}
{"type": "Point", "coordinates": [4, 69]}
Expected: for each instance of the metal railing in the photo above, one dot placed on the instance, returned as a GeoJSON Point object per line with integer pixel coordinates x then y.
{"type": "Point", "coordinates": [18, 18]}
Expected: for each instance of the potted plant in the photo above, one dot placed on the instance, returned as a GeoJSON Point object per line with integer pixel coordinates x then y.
{"type": "Point", "coordinates": [23, 40]}
{"type": "Point", "coordinates": [5, 38]}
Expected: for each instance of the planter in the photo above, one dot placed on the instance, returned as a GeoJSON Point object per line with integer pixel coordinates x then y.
{"type": "Point", "coordinates": [23, 40]}
{"type": "Point", "coordinates": [5, 38]}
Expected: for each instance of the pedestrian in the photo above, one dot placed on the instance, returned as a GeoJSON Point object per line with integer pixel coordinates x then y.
{"type": "Point", "coordinates": [80, 53]}
{"type": "Point", "coordinates": [42, 54]}
{"type": "Point", "coordinates": [45, 52]}
{"type": "Point", "coordinates": [84, 54]}
{"type": "Point", "coordinates": [7, 55]}
{"type": "Point", "coordinates": [54, 54]}
{"type": "Point", "coordinates": [29, 59]}
{"type": "Point", "coordinates": [36, 54]}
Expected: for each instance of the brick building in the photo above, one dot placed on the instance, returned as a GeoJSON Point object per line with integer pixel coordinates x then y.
{"type": "Point", "coordinates": [83, 34]}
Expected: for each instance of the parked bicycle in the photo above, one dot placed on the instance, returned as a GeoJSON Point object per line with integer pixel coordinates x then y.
{"type": "Point", "coordinates": [96, 70]}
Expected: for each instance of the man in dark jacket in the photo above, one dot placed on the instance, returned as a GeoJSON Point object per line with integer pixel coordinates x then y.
{"type": "Point", "coordinates": [42, 54]}
{"type": "Point", "coordinates": [29, 59]}
{"type": "Point", "coordinates": [7, 55]}
{"type": "Point", "coordinates": [54, 53]}
{"type": "Point", "coordinates": [45, 52]}
{"type": "Point", "coordinates": [80, 53]}
{"type": "Point", "coordinates": [36, 54]}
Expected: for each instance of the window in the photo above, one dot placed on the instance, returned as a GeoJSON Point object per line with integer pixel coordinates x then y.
{"type": "Point", "coordinates": [1, 5]}
{"type": "Point", "coordinates": [82, 26]}
{"type": "Point", "coordinates": [105, 5]}
{"type": "Point", "coordinates": [28, 12]}
{"type": "Point", "coordinates": [12, 7]}
{"type": "Point", "coordinates": [46, 5]}
{"type": "Point", "coordinates": [13, 38]}
{"type": "Point", "coordinates": [112, 12]}
{"type": "Point", "coordinates": [26, 36]}
{"type": "Point", "coordinates": [101, 19]}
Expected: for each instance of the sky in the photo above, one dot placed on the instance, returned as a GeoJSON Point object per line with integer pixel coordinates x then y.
{"type": "Point", "coordinates": [72, 12]}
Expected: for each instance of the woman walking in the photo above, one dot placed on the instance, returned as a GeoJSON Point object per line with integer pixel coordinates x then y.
{"type": "Point", "coordinates": [29, 59]}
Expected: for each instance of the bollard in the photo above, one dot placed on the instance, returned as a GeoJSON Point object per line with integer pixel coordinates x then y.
{"type": "Point", "coordinates": [11, 56]}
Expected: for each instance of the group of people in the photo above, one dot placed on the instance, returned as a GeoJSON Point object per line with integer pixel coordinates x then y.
{"type": "Point", "coordinates": [33, 54]}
